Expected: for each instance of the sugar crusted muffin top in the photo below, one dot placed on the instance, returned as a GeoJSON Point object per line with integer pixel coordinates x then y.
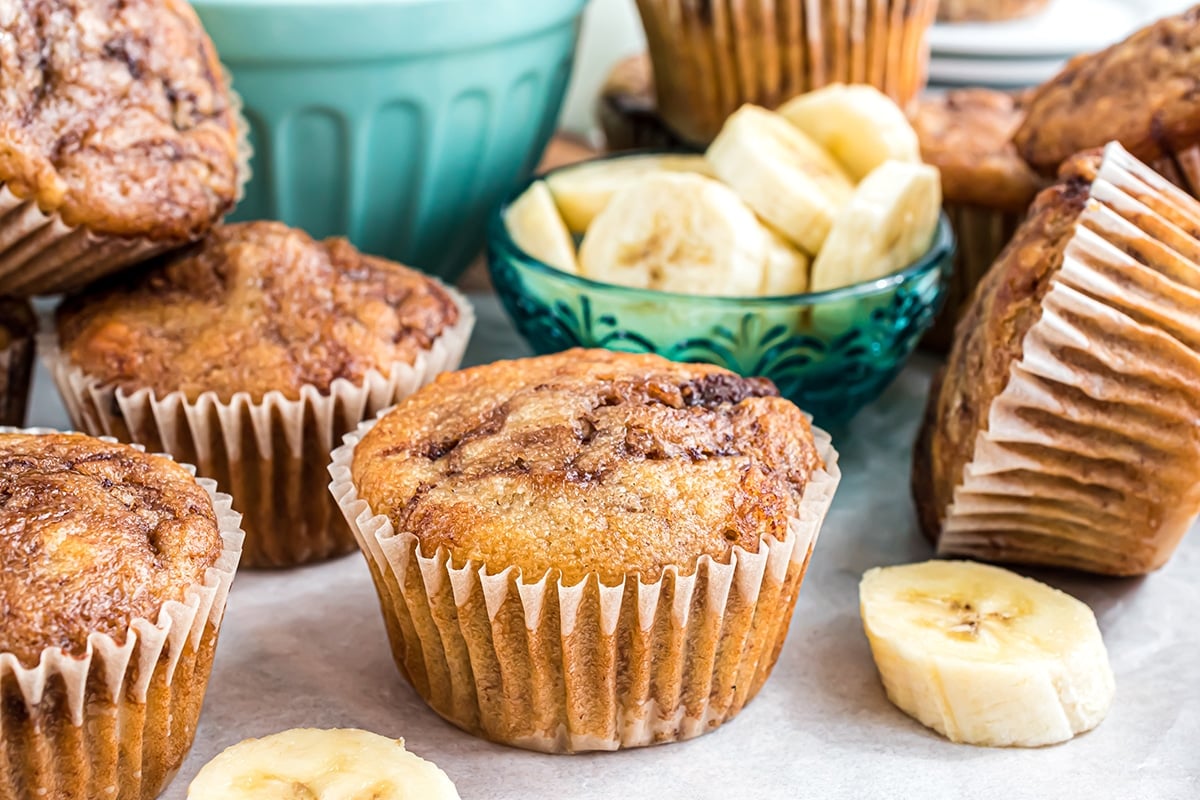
{"type": "Point", "coordinates": [255, 307]}
{"type": "Point", "coordinates": [589, 462]}
{"type": "Point", "coordinates": [967, 135]}
{"type": "Point", "coordinates": [93, 535]}
{"type": "Point", "coordinates": [1141, 92]}
{"type": "Point", "coordinates": [117, 116]}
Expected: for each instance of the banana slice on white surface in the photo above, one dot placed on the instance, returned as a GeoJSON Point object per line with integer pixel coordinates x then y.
{"type": "Point", "coordinates": [984, 656]}
{"type": "Point", "coordinates": [858, 124]}
{"type": "Point", "coordinates": [786, 177]}
{"type": "Point", "coordinates": [786, 271]}
{"type": "Point", "coordinates": [677, 233]}
{"type": "Point", "coordinates": [582, 192]}
{"type": "Point", "coordinates": [308, 764]}
{"type": "Point", "coordinates": [537, 228]}
{"type": "Point", "coordinates": [888, 224]}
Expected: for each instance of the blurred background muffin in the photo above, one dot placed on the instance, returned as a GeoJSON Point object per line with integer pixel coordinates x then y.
{"type": "Point", "coordinates": [712, 57]}
{"type": "Point", "coordinates": [251, 355]}
{"type": "Point", "coordinates": [17, 331]}
{"type": "Point", "coordinates": [986, 186]}
{"type": "Point", "coordinates": [119, 138]}
{"type": "Point", "coordinates": [627, 108]}
{"type": "Point", "coordinates": [988, 10]}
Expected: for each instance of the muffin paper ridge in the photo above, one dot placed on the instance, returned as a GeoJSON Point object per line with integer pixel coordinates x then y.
{"type": "Point", "coordinates": [537, 663]}
{"type": "Point", "coordinates": [1088, 459]}
{"type": "Point", "coordinates": [157, 677]}
{"type": "Point", "coordinates": [271, 455]}
{"type": "Point", "coordinates": [16, 374]}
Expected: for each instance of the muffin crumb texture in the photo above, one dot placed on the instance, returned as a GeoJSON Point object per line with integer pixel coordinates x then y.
{"type": "Point", "coordinates": [117, 116]}
{"type": "Point", "coordinates": [94, 535]}
{"type": "Point", "coordinates": [589, 462]}
{"type": "Point", "coordinates": [255, 308]}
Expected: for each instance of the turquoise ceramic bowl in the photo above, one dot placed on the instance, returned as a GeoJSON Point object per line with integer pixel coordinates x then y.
{"type": "Point", "coordinates": [830, 352]}
{"type": "Point", "coordinates": [398, 123]}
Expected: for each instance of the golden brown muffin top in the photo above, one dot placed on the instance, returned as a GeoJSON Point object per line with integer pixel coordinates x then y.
{"type": "Point", "coordinates": [967, 135]}
{"type": "Point", "coordinates": [1143, 92]}
{"type": "Point", "coordinates": [989, 339]}
{"type": "Point", "coordinates": [92, 536]}
{"type": "Point", "coordinates": [255, 307]}
{"type": "Point", "coordinates": [117, 116]}
{"type": "Point", "coordinates": [589, 462]}
{"type": "Point", "coordinates": [987, 10]}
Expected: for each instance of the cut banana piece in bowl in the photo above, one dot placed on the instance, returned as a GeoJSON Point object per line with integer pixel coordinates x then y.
{"type": "Point", "coordinates": [888, 225]}
{"type": "Point", "coordinates": [984, 656]}
{"type": "Point", "coordinates": [786, 271]}
{"type": "Point", "coordinates": [677, 233]}
{"type": "Point", "coordinates": [582, 192]}
{"type": "Point", "coordinates": [309, 764]}
{"type": "Point", "coordinates": [858, 124]}
{"type": "Point", "coordinates": [537, 228]}
{"type": "Point", "coordinates": [786, 177]}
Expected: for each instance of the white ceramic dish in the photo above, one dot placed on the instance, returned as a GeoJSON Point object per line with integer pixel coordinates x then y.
{"type": "Point", "coordinates": [996, 72]}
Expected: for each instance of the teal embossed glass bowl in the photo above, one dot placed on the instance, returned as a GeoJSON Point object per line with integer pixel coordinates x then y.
{"type": "Point", "coordinates": [398, 123]}
{"type": "Point", "coordinates": [830, 352]}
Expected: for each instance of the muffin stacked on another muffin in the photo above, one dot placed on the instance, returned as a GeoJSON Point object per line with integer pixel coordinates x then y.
{"type": "Point", "coordinates": [114, 570]}
{"type": "Point", "coordinates": [251, 354]}
{"type": "Point", "coordinates": [986, 186]}
{"type": "Point", "coordinates": [119, 138]}
{"type": "Point", "coordinates": [17, 330]}
{"type": "Point", "coordinates": [1063, 429]}
{"type": "Point", "coordinates": [588, 550]}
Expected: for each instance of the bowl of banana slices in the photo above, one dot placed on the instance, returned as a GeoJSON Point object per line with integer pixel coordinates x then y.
{"type": "Point", "coordinates": [807, 245]}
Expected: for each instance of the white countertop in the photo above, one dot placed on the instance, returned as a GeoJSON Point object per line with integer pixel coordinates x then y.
{"type": "Point", "coordinates": [307, 648]}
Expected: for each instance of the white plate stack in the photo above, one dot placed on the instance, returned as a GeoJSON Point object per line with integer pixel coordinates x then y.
{"type": "Point", "coordinates": [1030, 51]}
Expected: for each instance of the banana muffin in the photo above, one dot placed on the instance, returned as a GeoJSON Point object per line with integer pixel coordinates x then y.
{"type": "Point", "coordinates": [988, 10]}
{"type": "Point", "coordinates": [251, 354]}
{"type": "Point", "coordinates": [628, 109]}
{"type": "Point", "coordinates": [566, 490]}
{"type": "Point", "coordinates": [1141, 92]}
{"type": "Point", "coordinates": [986, 185]}
{"type": "Point", "coordinates": [119, 137]}
{"type": "Point", "coordinates": [106, 551]}
{"type": "Point", "coordinates": [17, 331]}
{"type": "Point", "coordinates": [1062, 430]}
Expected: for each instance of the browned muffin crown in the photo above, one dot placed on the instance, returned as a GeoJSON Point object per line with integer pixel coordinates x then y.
{"type": "Point", "coordinates": [589, 462]}
{"type": "Point", "coordinates": [92, 536]}
{"type": "Point", "coordinates": [990, 337]}
{"type": "Point", "coordinates": [1143, 92]}
{"type": "Point", "coordinates": [967, 135]}
{"type": "Point", "coordinates": [255, 307]}
{"type": "Point", "coordinates": [987, 10]}
{"type": "Point", "coordinates": [117, 116]}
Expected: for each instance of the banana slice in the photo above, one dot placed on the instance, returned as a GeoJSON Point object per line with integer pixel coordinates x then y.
{"type": "Point", "coordinates": [582, 192]}
{"type": "Point", "coordinates": [786, 271]}
{"type": "Point", "coordinates": [886, 226]}
{"type": "Point", "coordinates": [859, 125]}
{"type": "Point", "coordinates": [787, 178]}
{"type": "Point", "coordinates": [308, 764]}
{"type": "Point", "coordinates": [537, 228]}
{"type": "Point", "coordinates": [677, 233]}
{"type": "Point", "coordinates": [984, 656]}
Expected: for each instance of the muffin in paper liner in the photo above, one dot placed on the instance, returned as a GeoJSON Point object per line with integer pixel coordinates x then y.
{"type": "Point", "coordinates": [118, 721]}
{"type": "Point", "coordinates": [271, 456]}
{"type": "Point", "coordinates": [18, 328]}
{"type": "Point", "coordinates": [1089, 457]}
{"type": "Point", "coordinates": [562, 668]}
{"type": "Point", "coordinates": [988, 10]}
{"type": "Point", "coordinates": [710, 58]}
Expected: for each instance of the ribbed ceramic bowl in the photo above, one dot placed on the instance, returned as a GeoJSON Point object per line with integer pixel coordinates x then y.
{"type": "Point", "coordinates": [830, 352]}
{"type": "Point", "coordinates": [400, 123]}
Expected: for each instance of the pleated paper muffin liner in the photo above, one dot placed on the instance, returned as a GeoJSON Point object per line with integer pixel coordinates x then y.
{"type": "Point", "coordinates": [271, 455]}
{"type": "Point", "coordinates": [1181, 169]}
{"type": "Point", "coordinates": [981, 235]}
{"type": "Point", "coordinates": [118, 721]}
{"type": "Point", "coordinates": [1090, 456]}
{"type": "Point", "coordinates": [710, 58]}
{"type": "Point", "coordinates": [16, 367]}
{"type": "Point", "coordinates": [42, 254]}
{"type": "Point", "coordinates": [535, 663]}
